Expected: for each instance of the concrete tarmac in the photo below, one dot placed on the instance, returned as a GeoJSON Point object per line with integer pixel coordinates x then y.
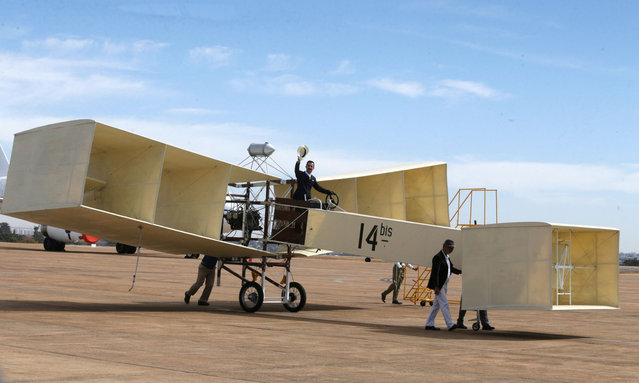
{"type": "Point", "coordinates": [70, 317]}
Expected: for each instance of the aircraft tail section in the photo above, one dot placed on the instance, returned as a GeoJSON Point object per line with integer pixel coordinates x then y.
{"type": "Point", "coordinates": [378, 237]}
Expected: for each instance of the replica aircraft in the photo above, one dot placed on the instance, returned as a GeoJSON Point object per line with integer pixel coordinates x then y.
{"type": "Point", "coordinates": [91, 177]}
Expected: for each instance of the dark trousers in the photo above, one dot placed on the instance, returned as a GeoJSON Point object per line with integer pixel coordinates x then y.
{"type": "Point", "coordinates": [483, 315]}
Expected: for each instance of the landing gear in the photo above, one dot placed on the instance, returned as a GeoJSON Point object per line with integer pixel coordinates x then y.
{"type": "Point", "coordinates": [53, 245]}
{"type": "Point", "coordinates": [252, 294]}
{"type": "Point", "coordinates": [477, 322]}
{"type": "Point", "coordinates": [251, 297]}
{"type": "Point", "coordinates": [296, 297]}
{"type": "Point", "coordinates": [121, 248]}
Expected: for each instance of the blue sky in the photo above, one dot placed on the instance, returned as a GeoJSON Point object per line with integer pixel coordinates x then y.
{"type": "Point", "coordinates": [537, 99]}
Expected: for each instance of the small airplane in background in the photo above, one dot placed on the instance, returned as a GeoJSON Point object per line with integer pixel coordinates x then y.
{"type": "Point", "coordinates": [56, 238]}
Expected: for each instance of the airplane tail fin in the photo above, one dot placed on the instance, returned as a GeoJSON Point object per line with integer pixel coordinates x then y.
{"type": "Point", "coordinates": [4, 163]}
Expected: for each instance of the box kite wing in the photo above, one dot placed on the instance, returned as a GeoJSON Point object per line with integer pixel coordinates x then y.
{"type": "Point", "coordinates": [414, 192]}
{"type": "Point", "coordinates": [86, 176]}
{"type": "Point", "coordinates": [538, 265]}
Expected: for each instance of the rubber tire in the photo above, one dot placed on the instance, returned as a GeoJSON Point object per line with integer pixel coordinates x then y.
{"type": "Point", "coordinates": [120, 248]}
{"type": "Point", "coordinates": [251, 297]}
{"type": "Point", "coordinates": [297, 294]}
{"type": "Point", "coordinates": [51, 244]}
{"type": "Point", "coordinates": [475, 326]}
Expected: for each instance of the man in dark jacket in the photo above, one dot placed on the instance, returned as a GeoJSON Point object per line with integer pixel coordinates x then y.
{"type": "Point", "coordinates": [305, 181]}
{"type": "Point", "coordinates": [438, 282]}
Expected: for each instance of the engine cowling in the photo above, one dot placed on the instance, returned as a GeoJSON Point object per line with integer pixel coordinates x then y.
{"type": "Point", "coordinates": [56, 238]}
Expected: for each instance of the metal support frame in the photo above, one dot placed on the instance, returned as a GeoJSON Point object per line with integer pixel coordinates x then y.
{"type": "Point", "coordinates": [258, 270]}
{"type": "Point", "coordinates": [468, 199]}
{"type": "Point", "coordinates": [291, 294]}
{"type": "Point", "coordinates": [418, 292]}
{"type": "Point", "coordinates": [563, 266]}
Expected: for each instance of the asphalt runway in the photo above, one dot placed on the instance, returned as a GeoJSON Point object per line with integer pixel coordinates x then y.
{"type": "Point", "coordinates": [70, 317]}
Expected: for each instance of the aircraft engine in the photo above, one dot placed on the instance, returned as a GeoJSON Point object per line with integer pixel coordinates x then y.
{"type": "Point", "coordinates": [56, 238]}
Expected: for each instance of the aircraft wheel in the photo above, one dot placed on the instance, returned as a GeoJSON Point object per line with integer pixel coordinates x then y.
{"type": "Point", "coordinates": [120, 248]}
{"type": "Point", "coordinates": [251, 297]}
{"type": "Point", "coordinates": [296, 297]}
{"type": "Point", "coordinates": [475, 326]}
{"type": "Point", "coordinates": [50, 244]}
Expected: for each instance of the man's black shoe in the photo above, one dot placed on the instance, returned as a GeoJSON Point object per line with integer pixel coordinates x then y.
{"type": "Point", "coordinates": [451, 328]}
{"type": "Point", "coordinates": [202, 303]}
{"type": "Point", "coordinates": [187, 298]}
{"type": "Point", "coordinates": [383, 298]}
{"type": "Point", "coordinates": [487, 327]}
{"type": "Point", "coordinates": [397, 302]}
{"type": "Point", "coordinates": [460, 325]}
{"type": "Point", "coordinates": [431, 328]}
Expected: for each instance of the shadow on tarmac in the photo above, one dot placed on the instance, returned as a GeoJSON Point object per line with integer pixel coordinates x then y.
{"type": "Point", "coordinates": [449, 335]}
{"type": "Point", "coordinates": [277, 312]}
{"type": "Point", "coordinates": [172, 306]}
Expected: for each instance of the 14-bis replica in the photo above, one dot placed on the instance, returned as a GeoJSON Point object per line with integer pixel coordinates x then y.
{"type": "Point", "coordinates": [92, 178]}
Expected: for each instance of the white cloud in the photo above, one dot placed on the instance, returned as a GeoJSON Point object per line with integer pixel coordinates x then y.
{"type": "Point", "coordinates": [216, 56]}
{"type": "Point", "coordinates": [457, 88]}
{"type": "Point", "coordinates": [576, 194]}
{"type": "Point", "coordinates": [145, 46]}
{"type": "Point", "coordinates": [135, 47]}
{"type": "Point", "coordinates": [54, 69]}
{"type": "Point", "coordinates": [25, 80]}
{"type": "Point", "coordinates": [344, 67]}
{"type": "Point", "coordinates": [192, 111]}
{"type": "Point", "coordinates": [286, 85]}
{"type": "Point", "coordinates": [338, 89]}
{"type": "Point", "coordinates": [532, 177]}
{"type": "Point", "coordinates": [59, 45]}
{"type": "Point", "coordinates": [291, 85]}
{"type": "Point", "coordinates": [408, 89]}
{"type": "Point", "coordinates": [278, 62]}
{"type": "Point", "coordinates": [54, 46]}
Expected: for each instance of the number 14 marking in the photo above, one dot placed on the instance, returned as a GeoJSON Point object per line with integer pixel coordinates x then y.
{"type": "Point", "coordinates": [371, 238]}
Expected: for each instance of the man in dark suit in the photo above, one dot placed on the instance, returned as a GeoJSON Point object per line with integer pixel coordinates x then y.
{"type": "Point", "coordinates": [438, 282]}
{"type": "Point", "coordinates": [305, 181]}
